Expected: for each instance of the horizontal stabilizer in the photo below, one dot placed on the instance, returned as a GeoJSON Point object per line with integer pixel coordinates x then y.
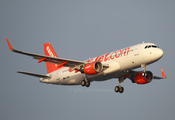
{"type": "Point", "coordinates": [34, 74]}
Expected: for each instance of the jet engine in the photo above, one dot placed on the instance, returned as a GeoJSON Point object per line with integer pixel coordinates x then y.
{"type": "Point", "coordinates": [140, 79]}
{"type": "Point", "coordinates": [93, 68]}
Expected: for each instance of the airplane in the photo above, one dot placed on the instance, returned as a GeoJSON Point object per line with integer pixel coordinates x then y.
{"type": "Point", "coordinates": [119, 64]}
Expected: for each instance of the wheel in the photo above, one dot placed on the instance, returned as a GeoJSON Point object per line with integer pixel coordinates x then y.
{"type": "Point", "coordinates": [144, 74]}
{"type": "Point", "coordinates": [121, 89]}
{"type": "Point", "coordinates": [87, 84]}
{"type": "Point", "coordinates": [116, 89]}
{"type": "Point", "coordinates": [83, 83]}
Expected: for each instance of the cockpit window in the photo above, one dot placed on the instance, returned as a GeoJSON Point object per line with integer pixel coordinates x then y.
{"type": "Point", "coordinates": [154, 46]}
{"type": "Point", "coordinates": [151, 46]}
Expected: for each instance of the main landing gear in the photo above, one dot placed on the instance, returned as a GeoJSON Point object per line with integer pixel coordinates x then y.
{"type": "Point", "coordinates": [119, 88]}
{"type": "Point", "coordinates": [85, 82]}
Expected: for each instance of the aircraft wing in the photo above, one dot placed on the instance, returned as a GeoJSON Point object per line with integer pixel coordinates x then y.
{"type": "Point", "coordinates": [163, 75]}
{"type": "Point", "coordinates": [131, 73]}
{"type": "Point", "coordinates": [54, 60]}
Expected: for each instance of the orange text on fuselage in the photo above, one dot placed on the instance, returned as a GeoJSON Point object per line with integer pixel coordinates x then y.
{"type": "Point", "coordinates": [111, 56]}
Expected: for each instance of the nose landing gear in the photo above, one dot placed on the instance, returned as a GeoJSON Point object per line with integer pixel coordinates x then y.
{"type": "Point", "coordinates": [144, 69]}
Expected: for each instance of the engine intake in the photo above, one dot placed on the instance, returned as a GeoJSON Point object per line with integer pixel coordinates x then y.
{"type": "Point", "coordinates": [93, 68]}
{"type": "Point", "coordinates": [140, 79]}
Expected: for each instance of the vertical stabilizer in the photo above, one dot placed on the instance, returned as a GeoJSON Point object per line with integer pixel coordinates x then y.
{"type": "Point", "coordinates": [49, 51]}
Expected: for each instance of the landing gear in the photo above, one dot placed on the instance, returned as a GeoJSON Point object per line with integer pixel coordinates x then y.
{"type": "Point", "coordinates": [144, 74]}
{"type": "Point", "coordinates": [85, 82]}
{"type": "Point", "coordinates": [144, 69]}
{"type": "Point", "coordinates": [119, 88]}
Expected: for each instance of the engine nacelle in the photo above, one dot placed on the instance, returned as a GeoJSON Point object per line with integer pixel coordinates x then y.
{"type": "Point", "coordinates": [140, 79]}
{"type": "Point", "coordinates": [93, 68]}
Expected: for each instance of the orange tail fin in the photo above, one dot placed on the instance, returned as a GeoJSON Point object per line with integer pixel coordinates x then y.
{"type": "Point", "coordinates": [49, 51]}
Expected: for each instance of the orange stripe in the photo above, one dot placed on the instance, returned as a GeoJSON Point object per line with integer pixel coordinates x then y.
{"type": "Point", "coordinates": [40, 60]}
{"type": "Point", "coordinates": [62, 64]}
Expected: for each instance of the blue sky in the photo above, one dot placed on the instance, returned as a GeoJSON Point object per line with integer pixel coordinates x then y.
{"type": "Point", "coordinates": [79, 29]}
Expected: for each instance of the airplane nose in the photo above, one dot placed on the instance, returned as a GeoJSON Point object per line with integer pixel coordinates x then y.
{"type": "Point", "coordinates": [159, 53]}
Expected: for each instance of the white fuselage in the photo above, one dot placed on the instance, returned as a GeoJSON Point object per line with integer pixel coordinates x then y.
{"type": "Point", "coordinates": [119, 63]}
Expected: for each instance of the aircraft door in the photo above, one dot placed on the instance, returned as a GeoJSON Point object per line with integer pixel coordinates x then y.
{"type": "Point", "coordinates": [136, 50]}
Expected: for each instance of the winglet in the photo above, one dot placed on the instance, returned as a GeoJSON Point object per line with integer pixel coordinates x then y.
{"type": "Point", "coordinates": [163, 74]}
{"type": "Point", "coordinates": [10, 47]}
